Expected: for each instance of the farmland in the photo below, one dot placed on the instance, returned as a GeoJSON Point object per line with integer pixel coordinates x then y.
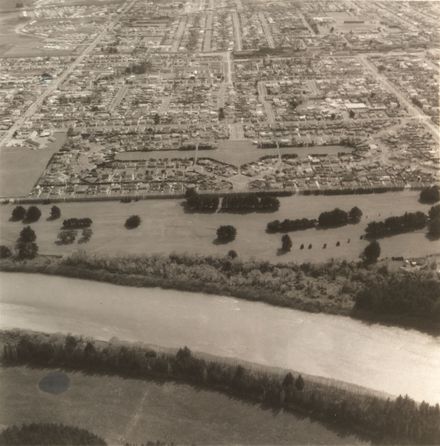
{"type": "Point", "coordinates": [138, 411]}
{"type": "Point", "coordinates": [166, 228]}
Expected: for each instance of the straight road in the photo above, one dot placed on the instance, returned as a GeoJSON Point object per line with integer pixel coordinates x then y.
{"type": "Point", "coordinates": [413, 110]}
{"type": "Point", "coordinates": [266, 29]}
{"type": "Point", "coordinates": [237, 31]}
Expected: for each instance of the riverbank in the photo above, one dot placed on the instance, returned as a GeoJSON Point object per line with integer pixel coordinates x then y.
{"type": "Point", "coordinates": [382, 421]}
{"type": "Point", "coordinates": [340, 288]}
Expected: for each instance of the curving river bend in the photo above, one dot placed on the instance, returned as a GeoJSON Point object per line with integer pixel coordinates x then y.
{"type": "Point", "coordinates": [388, 359]}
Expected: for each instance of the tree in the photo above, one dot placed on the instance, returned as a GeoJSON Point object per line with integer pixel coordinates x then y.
{"type": "Point", "coordinates": [5, 252]}
{"type": "Point", "coordinates": [27, 234]}
{"type": "Point", "coordinates": [55, 213]}
{"type": "Point", "coordinates": [156, 119]}
{"type": "Point", "coordinates": [434, 212]}
{"type": "Point", "coordinates": [133, 222]}
{"type": "Point", "coordinates": [86, 235]}
{"type": "Point", "coordinates": [430, 195]}
{"type": "Point", "coordinates": [286, 243]}
{"type": "Point", "coordinates": [355, 215]}
{"type": "Point", "coordinates": [66, 236]}
{"type": "Point", "coordinates": [27, 250]}
{"type": "Point", "coordinates": [434, 227]}
{"type": "Point", "coordinates": [299, 383]}
{"type": "Point", "coordinates": [288, 380]}
{"type": "Point", "coordinates": [18, 213]}
{"type": "Point", "coordinates": [221, 114]}
{"type": "Point", "coordinates": [232, 254]}
{"type": "Point", "coordinates": [33, 214]}
{"type": "Point", "coordinates": [372, 252]}
{"type": "Point", "coordinates": [226, 233]}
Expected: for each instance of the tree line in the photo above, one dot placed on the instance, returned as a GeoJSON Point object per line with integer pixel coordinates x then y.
{"type": "Point", "coordinates": [48, 434]}
{"type": "Point", "coordinates": [231, 203]}
{"type": "Point", "coordinates": [410, 221]}
{"type": "Point", "coordinates": [406, 296]}
{"type": "Point", "coordinates": [399, 420]}
{"type": "Point", "coordinates": [77, 223]}
{"type": "Point", "coordinates": [334, 218]}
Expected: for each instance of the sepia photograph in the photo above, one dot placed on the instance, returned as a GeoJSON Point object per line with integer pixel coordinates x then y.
{"type": "Point", "coordinates": [219, 222]}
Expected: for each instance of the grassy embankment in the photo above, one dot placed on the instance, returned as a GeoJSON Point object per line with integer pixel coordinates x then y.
{"type": "Point", "coordinates": [385, 421]}
{"type": "Point", "coordinates": [370, 292]}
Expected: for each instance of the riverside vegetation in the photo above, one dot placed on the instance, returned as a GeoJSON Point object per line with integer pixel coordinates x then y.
{"type": "Point", "coordinates": [337, 287]}
{"type": "Point", "coordinates": [391, 421]}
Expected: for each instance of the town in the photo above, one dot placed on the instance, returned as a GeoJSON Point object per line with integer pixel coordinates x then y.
{"type": "Point", "coordinates": [153, 98]}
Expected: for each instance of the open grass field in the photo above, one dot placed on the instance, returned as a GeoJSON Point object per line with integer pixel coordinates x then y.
{"type": "Point", "coordinates": [21, 168]}
{"type": "Point", "coordinates": [128, 410]}
{"type": "Point", "coordinates": [166, 228]}
{"type": "Point", "coordinates": [234, 152]}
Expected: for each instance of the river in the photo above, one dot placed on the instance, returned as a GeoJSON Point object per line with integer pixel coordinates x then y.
{"type": "Point", "coordinates": [387, 359]}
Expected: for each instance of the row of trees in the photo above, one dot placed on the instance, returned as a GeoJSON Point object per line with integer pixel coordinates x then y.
{"type": "Point", "coordinates": [231, 203]}
{"type": "Point", "coordinates": [68, 236]}
{"type": "Point", "coordinates": [77, 223]}
{"type": "Point", "coordinates": [249, 203]}
{"type": "Point", "coordinates": [48, 434]}
{"type": "Point", "coordinates": [33, 214]}
{"type": "Point", "coordinates": [337, 217]}
{"type": "Point", "coordinates": [434, 221]}
{"type": "Point", "coordinates": [407, 222]}
{"type": "Point", "coordinates": [384, 420]}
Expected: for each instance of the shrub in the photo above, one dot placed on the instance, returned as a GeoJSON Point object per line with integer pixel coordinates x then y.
{"type": "Point", "coordinates": [133, 222]}
{"type": "Point", "coordinates": [33, 214]}
{"type": "Point", "coordinates": [226, 233]}
{"type": "Point", "coordinates": [430, 195]}
{"type": "Point", "coordinates": [18, 213]}
{"type": "Point", "coordinates": [5, 252]}
{"type": "Point", "coordinates": [372, 252]}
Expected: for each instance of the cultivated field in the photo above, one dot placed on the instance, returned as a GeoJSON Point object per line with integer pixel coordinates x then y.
{"type": "Point", "coordinates": [21, 168]}
{"type": "Point", "coordinates": [166, 228]}
{"type": "Point", "coordinates": [128, 410]}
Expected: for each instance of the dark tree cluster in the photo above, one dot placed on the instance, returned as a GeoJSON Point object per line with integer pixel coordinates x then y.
{"type": "Point", "coordinates": [201, 203]}
{"type": "Point", "coordinates": [31, 215]}
{"type": "Point", "coordinates": [37, 434]}
{"type": "Point", "coordinates": [133, 222]}
{"type": "Point", "coordinates": [371, 252]}
{"type": "Point", "coordinates": [138, 68]}
{"type": "Point", "coordinates": [249, 203]}
{"type": "Point", "coordinates": [410, 221]}
{"type": "Point", "coordinates": [334, 218]}
{"type": "Point", "coordinates": [25, 245]}
{"type": "Point", "coordinates": [5, 252]}
{"type": "Point", "coordinates": [396, 421]}
{"type": "Point", "coordinates": [408, 295]}
{"type": "Point", "coordinates": [55, 213]}
{"type": "Point", "coordinates": [430, 195]}
{"type": "Point", "coordinates": [290, 225]}
{"type": "Point", "coordinates": [77, 223]}
{"type": "Point", "coordinates": [434, 221]}
{"type": "Point", "coordinates": [226, 233]}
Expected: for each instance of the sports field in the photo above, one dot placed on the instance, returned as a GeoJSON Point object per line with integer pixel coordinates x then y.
{"type": "Point", "coordinates": [166, 228]}
{"type": "Point", "coordinates": [127, 410]}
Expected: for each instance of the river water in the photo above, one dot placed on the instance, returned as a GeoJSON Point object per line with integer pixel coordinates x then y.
{"type": "Point", "coordinates": [388, 359]}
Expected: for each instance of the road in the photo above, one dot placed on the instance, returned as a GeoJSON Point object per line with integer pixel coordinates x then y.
{"type": "Point", "coordinates": [6, 138]}
{"type": "Point", "coordinates": [208, 32]}
{"type": "Point", "coordinates": [266, 29]}
{"type": "Point", "coordinates": [413, 110]}
{"type": "Point", "coordinates": [237, 31]}
{"type": "Point", "coordinates": [179, 34]}
{"type": "Point", "coordinates": [267, 106]}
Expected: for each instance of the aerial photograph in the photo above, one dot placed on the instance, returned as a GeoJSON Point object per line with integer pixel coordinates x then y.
{"type": "Point", "coordinates": [219, 222]}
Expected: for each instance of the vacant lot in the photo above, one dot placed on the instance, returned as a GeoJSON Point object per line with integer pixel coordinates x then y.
{"type": "Point", "coordinates": [21, 168]}
{"type": "Point", "coordinates": [166, 228]}
{"type": "Point", "coordinates": [127, 410]}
